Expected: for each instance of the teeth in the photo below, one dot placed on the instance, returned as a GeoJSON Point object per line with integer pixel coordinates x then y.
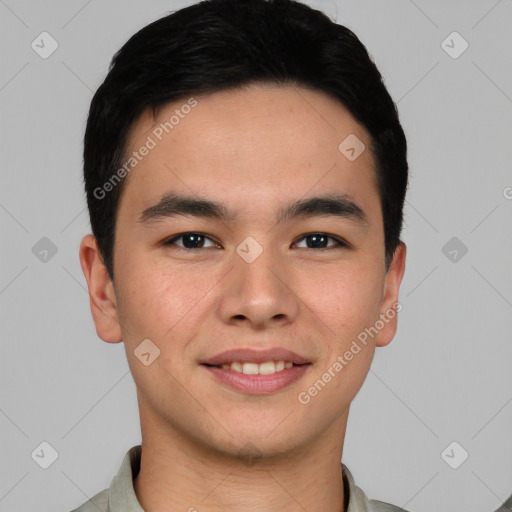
{"type": "Point", "coordinates": [251, 368]}
{"type": "Point", "coordinates": [237, 367]}
{"type": "Point", "coordinates": [266, 368]}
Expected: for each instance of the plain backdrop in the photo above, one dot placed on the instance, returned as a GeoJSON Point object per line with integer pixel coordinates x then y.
{"type": "Point", "coordinates": [446, 377]}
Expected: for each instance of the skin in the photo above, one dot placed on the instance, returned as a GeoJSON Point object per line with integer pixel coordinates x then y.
{"type": "Point", "coordinates": [206, 446]}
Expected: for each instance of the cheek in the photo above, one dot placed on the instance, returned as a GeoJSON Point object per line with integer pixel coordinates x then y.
{"type": "Point", "coordinates": [151, 301]}
{"type": "Point", "coordinates": [333, 387]}
{"type": "Point", "coordinates": [163, 303]}
{"type": "Point", "coordinates": [157, 306]}
{"type": "Point", "coordinates": [346, 300]}
{"type": "Point", "coordinates": [349, 374]}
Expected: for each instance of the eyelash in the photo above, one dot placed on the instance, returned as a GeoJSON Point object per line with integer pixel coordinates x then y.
{"type": "Point", "coordinates": [170, 241]}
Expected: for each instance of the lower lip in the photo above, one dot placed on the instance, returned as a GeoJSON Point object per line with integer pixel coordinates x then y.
{"type": "Point", "coordinates": [259, 384]}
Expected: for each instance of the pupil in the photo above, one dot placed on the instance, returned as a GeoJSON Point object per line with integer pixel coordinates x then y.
{"type": "Point", "coordinates": [316, 238]}
{"type": "Point", "coordinates": [188, 240]}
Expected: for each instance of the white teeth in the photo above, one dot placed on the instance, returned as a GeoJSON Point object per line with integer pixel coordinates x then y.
{"type": "Point", "coordinates": [266, 368]}
{"type": "Point", "coordinates": [237, 367]}
{"type": "Point", "coordinates": [250, 368]}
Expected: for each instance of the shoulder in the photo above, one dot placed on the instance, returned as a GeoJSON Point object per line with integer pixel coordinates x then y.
{"type": "Point", "coordinates": [359, 502]}
{"type": "Point", "coordinates": [380, 506]}
{"type": "Point", "coordinates": [98, 503]}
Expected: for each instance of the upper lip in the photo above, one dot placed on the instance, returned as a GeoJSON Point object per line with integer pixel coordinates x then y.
{"type": "Point", "coordinates": [248, 355]}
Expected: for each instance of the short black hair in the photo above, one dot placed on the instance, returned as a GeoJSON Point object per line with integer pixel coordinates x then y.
{"type": "Point", "coordinates": [219, 45]}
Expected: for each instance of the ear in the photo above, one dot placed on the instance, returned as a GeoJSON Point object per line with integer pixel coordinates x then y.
{"type": "Point", "coordinates": [101, 291]}
{"type": "Point", "coordinates": [390, 307]}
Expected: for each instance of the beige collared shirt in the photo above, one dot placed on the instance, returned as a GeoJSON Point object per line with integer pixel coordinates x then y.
{"type": "Point", "coordinates": [121, 497]}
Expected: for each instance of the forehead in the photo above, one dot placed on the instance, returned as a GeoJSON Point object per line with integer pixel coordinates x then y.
{"type": "Point", "coordinates": [248, 144]}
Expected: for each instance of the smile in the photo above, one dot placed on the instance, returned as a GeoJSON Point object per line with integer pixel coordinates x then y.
{"type": "Point", "coordinates": [258, 379]}
{"type": "Point", "coordinates": [266, 368]}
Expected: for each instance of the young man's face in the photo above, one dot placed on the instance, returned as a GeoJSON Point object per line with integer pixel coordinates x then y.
{"type": "Point", "coordinates": [248, 281]}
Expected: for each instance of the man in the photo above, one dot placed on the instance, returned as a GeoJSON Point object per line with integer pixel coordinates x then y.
{"type": "Point", "coordinates": [245, 172]}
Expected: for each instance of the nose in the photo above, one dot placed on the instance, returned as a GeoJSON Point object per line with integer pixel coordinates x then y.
{"type": "Point", "coordinates": [258, 293]}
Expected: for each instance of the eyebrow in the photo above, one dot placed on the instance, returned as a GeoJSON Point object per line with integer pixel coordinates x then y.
{"type": "Point", "coordinates": [336, 205]}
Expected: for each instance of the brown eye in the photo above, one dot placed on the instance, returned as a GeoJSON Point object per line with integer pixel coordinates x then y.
{"type": "Point", "coordinates": [191, 241]}
{"type": "Point", "coordinates": [319, 241]}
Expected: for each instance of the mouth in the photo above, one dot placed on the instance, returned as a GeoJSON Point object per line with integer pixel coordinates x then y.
{"type": "Point", "coordinates": [257, 372]}
{"type": "Point", "coordinates": [251, 368]}
{"type": "Point", "coordinates": [256, 356]}
{"type": "Point", "coordinates": [257, 384]}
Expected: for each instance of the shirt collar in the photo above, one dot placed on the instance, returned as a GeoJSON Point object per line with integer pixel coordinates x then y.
{"type": "Point", "coordinates": [122, 497]}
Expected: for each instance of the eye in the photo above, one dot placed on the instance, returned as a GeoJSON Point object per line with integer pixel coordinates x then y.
{"type": "Point", "coordinates": [194, 241]}
{"type": "Point", "coordinates": [191, 241]}
{"type": "Point", "coordinates": [318, 241]}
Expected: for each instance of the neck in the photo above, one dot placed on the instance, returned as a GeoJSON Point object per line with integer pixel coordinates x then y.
{"type": "Point", "coordinates": [178, 474]}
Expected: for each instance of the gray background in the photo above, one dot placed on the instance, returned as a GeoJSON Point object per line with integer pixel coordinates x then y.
{"type": "Point", "coordinates": [446, 376]}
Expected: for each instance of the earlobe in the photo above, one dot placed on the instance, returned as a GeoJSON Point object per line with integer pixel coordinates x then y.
{"type": "Point", "coordinates": [390, 303]}
{"type": "Point", "coordinates": [101, 291]}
